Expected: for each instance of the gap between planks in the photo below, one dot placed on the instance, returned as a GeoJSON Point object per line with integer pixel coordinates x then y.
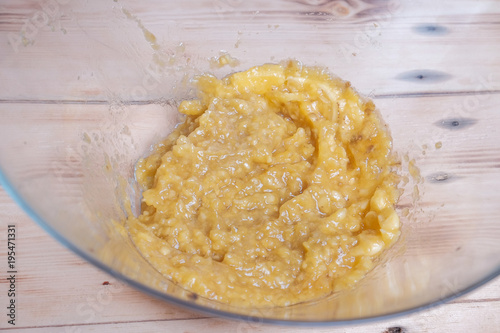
{"type": "Point", "coordinates": [106, 323]}
{"type": "Point", "coordinates": [381, 96]}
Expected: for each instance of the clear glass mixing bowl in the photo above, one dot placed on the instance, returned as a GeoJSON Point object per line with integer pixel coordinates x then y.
{"type": "Point", "coordinates": [86, 87]}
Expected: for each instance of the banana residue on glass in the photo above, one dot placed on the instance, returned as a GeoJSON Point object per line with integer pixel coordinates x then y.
{"type": "Point", "coordinates": [224, 59]}
{"type": "Point", "coordinates": [278, 188]}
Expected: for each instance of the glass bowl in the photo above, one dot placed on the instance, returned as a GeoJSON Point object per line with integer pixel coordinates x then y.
{"type": "Point", "coordinates": [87, 87]}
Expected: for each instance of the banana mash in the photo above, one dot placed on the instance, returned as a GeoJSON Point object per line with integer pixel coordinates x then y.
{"type": "Point", "coordinates": [278, 188]}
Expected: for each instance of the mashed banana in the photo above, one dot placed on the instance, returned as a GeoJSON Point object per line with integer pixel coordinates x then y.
{"type": "Point", "coordinates": [278, 188]}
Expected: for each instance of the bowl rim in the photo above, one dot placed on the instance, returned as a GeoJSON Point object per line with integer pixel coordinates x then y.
{"type": "Point", "coordinates": [10, 189]}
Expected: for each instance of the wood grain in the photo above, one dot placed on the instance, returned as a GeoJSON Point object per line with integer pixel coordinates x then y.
{"type": "Point", "coordinates": [427, 63]}
{"type": "Point", "coordinates": [446, 49]}
{"type": "Point", "coordinates": [59, 292]}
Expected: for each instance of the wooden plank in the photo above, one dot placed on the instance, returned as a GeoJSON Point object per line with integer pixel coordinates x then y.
{"type": "Point", "coordinates": [453, 318]}
{"type": "Point", "coordinates": [381, 51]}
{"type": "Point", "coordinates": [59, 292]}
{"type": "Point", "coordinates": [57, 289]}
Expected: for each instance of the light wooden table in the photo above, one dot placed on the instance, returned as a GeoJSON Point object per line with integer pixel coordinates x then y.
{"type": "Point", "coordinates": [57, 291]}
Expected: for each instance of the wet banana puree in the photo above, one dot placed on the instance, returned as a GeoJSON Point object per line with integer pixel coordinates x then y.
{"type": "Point", "coordinates": [279, 187]}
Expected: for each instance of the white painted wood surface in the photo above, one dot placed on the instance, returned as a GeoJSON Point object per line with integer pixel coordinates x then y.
{"type": "Point", "coordinates": [59, 292]}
